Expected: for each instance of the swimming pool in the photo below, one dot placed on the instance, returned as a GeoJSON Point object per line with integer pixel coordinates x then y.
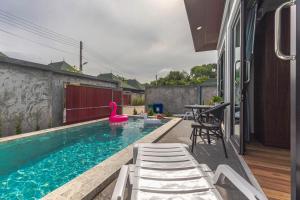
{"type": "Point", "coordinates": [33, 166]}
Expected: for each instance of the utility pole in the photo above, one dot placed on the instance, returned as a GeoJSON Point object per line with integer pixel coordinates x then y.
{"type": "Point", "coordinates": [80, 56]}
{"type": "Point", "coordinates": [156, 79]}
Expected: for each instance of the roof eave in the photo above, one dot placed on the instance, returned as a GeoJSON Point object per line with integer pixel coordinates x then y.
{"type": "Point", "coordinates": [205, 21]}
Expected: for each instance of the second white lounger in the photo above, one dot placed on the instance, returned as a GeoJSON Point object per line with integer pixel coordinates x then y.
{"type": "Point", "coordinates": [168, 171]}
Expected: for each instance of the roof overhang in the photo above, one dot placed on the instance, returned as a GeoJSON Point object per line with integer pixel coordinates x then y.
{"type": "Point", "coordinates": [205, 18]}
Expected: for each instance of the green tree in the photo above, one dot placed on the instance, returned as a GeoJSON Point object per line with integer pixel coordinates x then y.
{"type": "Point", "coordinates": [73, 69]}
{"type": "Point", "coordinates": [173, 78]}
{"type": "Point", "coordinates": [208, 70]}
{"type": "Point", "coordinates": [198, 80]}
{"type": "Point", "coordinates": [198, 75]}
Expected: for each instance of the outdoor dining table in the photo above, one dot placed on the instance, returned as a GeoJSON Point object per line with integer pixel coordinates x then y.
{"type": "Point", "coordinates": [197, 109]}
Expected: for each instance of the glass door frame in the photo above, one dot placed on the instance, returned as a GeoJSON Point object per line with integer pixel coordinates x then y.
{"type": "Point", "coordinates": [238, 143]}
{"type": "Point", "coordinates": [295, 105]}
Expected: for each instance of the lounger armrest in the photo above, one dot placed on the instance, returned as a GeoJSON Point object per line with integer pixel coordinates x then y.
{"type": "Point", "coordinates": [120, 187]}
{"type": "Point", "coordinates": [224, 171]}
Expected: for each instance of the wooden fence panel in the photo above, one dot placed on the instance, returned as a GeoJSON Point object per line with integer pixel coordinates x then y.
{"type": "Point", "coordinates": [85, 103]}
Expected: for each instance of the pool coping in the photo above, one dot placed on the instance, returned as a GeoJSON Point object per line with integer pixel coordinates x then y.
{"type": "Point", "coordinates": [90, 183]}
{"type": "Point", "coordinates": [44, 131]}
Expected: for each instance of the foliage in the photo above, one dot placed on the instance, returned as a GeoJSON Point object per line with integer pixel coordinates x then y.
{"type": "Point", "coordinates": [216, 99]}
{"type": "Point", "coordinates": [150, 112]}
{"type": "Point", "coordinates": [121, 78]}
{"type": "Point", "coordinates": [18, 124]}
{"type": "Point", "coordinates": [148, 84]}
{"type": "Point", "coordinates": [135, 112]}
{"type": "Point", "coordinates": [209, 71]}
{"type": "Point", "coordinates": [73, 69]}
{"type": "Point", "coordinates": [173, 78]}
{"type": "Point", "coordinates": [198, 75]}
{"type": "Point", "coordinates": [198, 80]}
{"type": "Point", "coordinates": [138, 101]}
{"type": "Point", "coordinates": [168, 114]}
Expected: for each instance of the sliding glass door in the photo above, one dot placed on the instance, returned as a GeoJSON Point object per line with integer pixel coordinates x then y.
{"type": "Point", "coordinates": [236, 83]}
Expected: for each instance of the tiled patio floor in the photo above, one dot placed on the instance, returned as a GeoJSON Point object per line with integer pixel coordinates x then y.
{"type": "Point", "coordinates": [212, 155]}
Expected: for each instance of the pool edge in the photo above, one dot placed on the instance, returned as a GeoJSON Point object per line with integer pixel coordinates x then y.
{"type": "Point", "coordinates": [44, 131]}
{"type": "Point", "coordinates": [93, 181]}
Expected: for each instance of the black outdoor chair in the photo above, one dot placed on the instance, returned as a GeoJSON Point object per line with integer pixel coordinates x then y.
{"type": "Point", "coordinates": [212, 124]}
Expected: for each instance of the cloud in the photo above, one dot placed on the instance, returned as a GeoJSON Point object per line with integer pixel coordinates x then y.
{"type": "Point", "coordinates": [135, 38]}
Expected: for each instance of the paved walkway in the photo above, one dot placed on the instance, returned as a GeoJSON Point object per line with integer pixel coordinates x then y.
{"type": "Point", "coordinates": [212, 155]}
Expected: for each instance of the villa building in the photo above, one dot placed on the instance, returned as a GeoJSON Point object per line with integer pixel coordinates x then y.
{"type": "Point", "coordinates": [257, 74]}
{"type": "Point", "coordinates": [87, 138]}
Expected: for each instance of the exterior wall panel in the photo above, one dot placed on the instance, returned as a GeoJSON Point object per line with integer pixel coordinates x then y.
{"type": "Point", "coordinates": [35, 94]}
{"type": "Point", "coordinates": [174, 98]}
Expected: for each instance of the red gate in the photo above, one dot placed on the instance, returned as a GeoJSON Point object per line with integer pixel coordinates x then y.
{"type": "Point", "coordinates": [84, 103]}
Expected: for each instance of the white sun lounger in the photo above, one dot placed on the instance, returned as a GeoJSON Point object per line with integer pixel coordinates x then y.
{"type": "Point", "coordinates": [168, 171]}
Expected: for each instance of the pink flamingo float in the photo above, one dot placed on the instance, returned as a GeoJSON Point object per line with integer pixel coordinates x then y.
{"type": "Point", "coordinates": [114, 118]}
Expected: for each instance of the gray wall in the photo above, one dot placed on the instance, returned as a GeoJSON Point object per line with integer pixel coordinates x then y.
{"type": "Point", "coordinates": [33, 93]}
{"type": "Point", "coordinates": [207, 92]}
{"type": "Point", "coordinates": [174, 98]}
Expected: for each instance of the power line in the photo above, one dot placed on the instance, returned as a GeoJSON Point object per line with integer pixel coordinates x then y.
{"type": "Point", "coordinates": [109, 69]}
{"type": "Point", "coordinates": [60, 50]}
{"type": "Point", "coordinates": [89, 49]}
{"type": "Point", "coordinates": [42, 44]}
{"type": "Point", "coordinates": [21, 26]}
{"type": "Point", "coordinates": [103, 66]}
{"type": "Point", "coordinates": [41, 34]}
{"type": "Point", "coordinates": [26, 25]}
{"type": "Point", "coordinates": [36, 29]}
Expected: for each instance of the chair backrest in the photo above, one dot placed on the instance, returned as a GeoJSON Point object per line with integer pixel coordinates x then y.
{"type": "Point", "coordinates": [218, 111]}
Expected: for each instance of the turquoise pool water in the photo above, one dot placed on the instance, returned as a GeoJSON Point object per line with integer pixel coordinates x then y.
{"type": "Point", "coordinates": [34, 166]}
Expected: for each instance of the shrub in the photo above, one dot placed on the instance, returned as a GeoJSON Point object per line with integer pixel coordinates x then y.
{"type": "Point", "coordinates": [168, 114]}
{"type": "Point", "coordinates": [135, 112]}
{"type": "Point", "coordinates": [150, 112]}
{"type": "Point", "coordinates": [215, 99]}
{"type": "Point", "coordinates": [138, 101]}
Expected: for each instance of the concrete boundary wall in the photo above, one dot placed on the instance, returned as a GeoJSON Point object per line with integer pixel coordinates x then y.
{"type": "Point", "coordinates": [32, 95]}
{"type": "Point", "coordinates": [174, 98]}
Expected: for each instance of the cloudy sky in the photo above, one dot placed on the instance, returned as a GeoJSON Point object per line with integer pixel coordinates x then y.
{"type": "Point", "coordinates": [133, 38]}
